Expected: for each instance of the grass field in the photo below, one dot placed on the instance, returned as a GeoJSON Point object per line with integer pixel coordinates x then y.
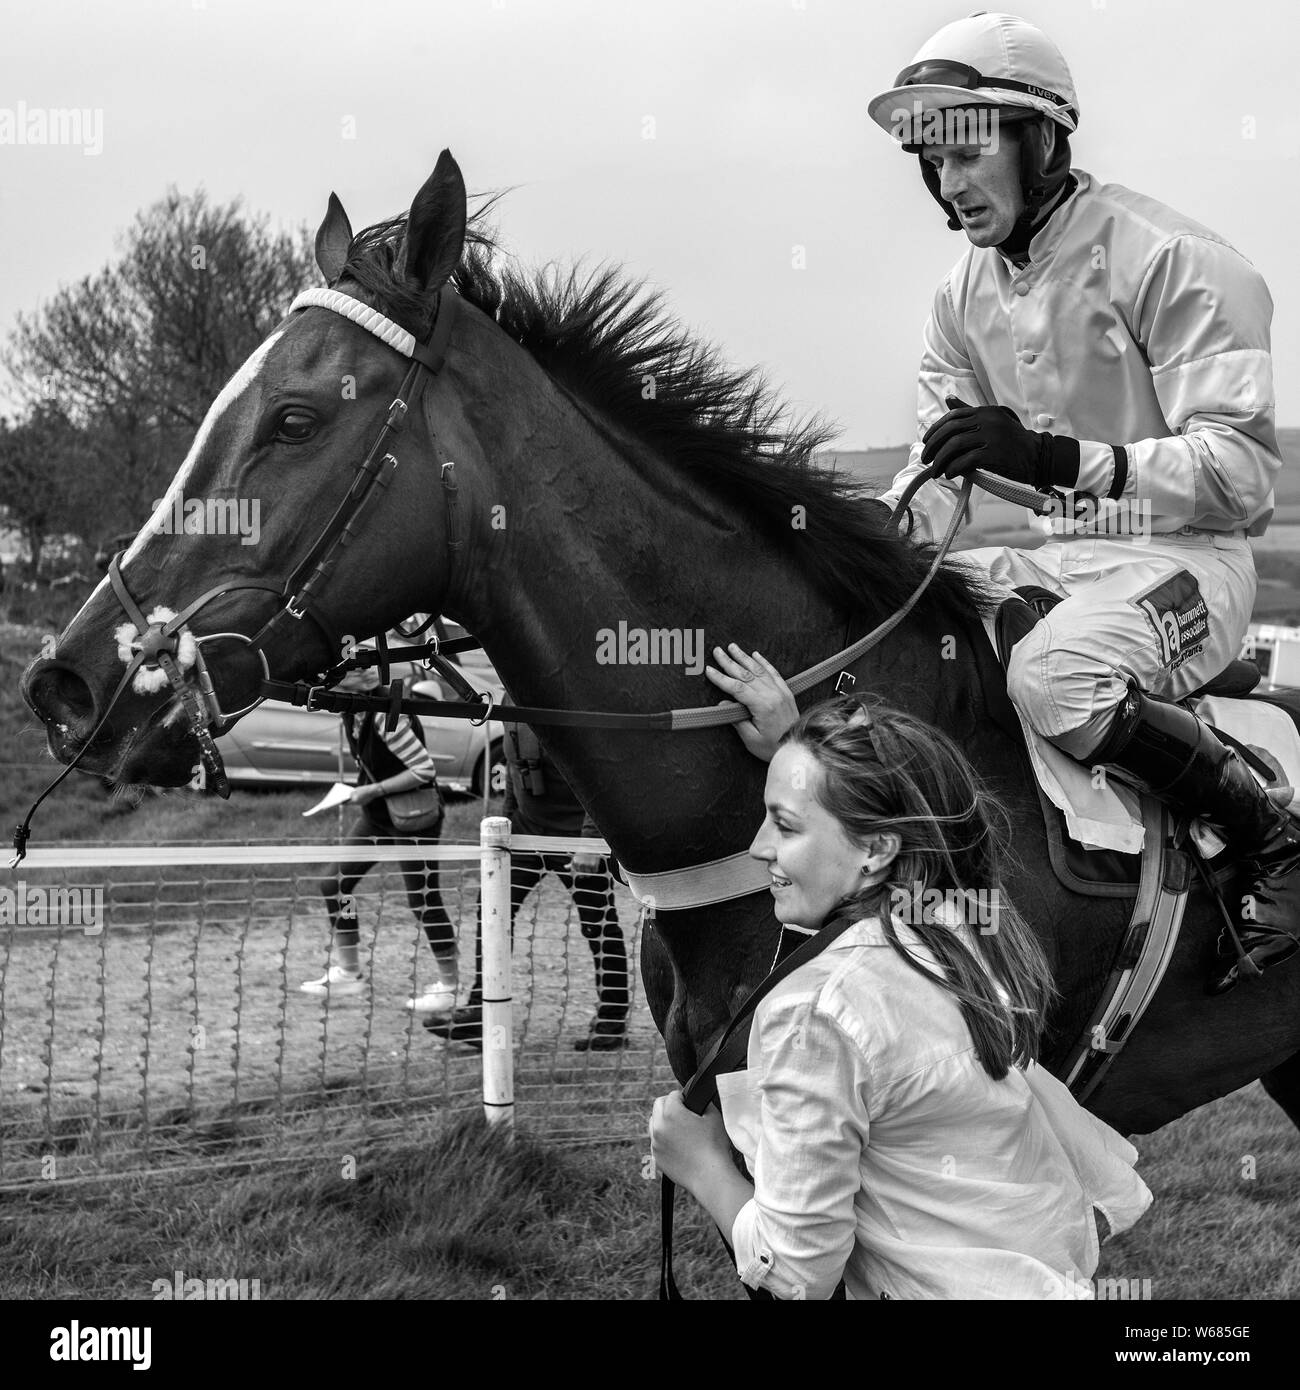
{"type": "Point", "coordinates": [465, 1216]}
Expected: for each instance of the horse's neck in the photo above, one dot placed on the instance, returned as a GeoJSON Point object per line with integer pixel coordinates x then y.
{"type": "Point", "coordinates": [603, 542]}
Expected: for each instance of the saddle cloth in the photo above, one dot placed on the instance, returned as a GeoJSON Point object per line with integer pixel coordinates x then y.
{"type": "Point", "coordinates": [1102, 813]}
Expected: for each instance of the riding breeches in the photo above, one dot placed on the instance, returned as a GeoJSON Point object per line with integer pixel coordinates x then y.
{"type": "Point", "coordinates": [1171, 612]}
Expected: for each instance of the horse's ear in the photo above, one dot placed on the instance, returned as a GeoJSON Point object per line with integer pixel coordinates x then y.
{"type": "Point", "coordinates": [333, 240]}
{"type": "Point", "coordinates": [435, 228]}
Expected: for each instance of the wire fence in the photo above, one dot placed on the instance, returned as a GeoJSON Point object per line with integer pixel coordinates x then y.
{"type": "Point", "coordinates": [170, 1031]}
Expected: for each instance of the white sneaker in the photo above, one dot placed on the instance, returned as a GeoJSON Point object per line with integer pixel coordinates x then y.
{"type": "Point", "coordinates": [336, 982]}
{"type": "Point", "coordinates": [438, 999]}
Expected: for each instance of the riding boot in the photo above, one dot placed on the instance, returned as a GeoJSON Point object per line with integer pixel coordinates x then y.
{"type": "Point", "coordinates": [1177, 757]}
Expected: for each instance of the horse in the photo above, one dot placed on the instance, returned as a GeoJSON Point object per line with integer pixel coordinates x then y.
{"type": "Point", "coordinates": [582, 466]}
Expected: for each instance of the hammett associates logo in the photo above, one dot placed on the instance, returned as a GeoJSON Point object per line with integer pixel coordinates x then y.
{"type": "Point", "coordinates": [208, 516]}
{"type": "Point", "coordinates": [77, 1343]}
{"type": "Point", "coordinates": [1179, 616]}
{"type": "Point", "coordinates": [38, 905]}
{"type": "Point", "coordinates": [656, 646]}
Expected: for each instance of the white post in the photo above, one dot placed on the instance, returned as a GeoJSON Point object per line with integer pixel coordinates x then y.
{"type": "Point", "coordinates": [498, 1032]}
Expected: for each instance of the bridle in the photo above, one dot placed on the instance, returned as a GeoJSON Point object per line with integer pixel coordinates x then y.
{"type": "Point", "coordinates": [300, 591]}
{"type": "Point", "coordinates": [158, 639]}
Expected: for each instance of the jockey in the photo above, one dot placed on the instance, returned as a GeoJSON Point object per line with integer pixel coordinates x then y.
{"type": "Point", "coordinates": [1093, 340]}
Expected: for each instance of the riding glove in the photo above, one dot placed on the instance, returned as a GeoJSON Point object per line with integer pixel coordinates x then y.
{"type": "Point", "coordinates": [991, 437]}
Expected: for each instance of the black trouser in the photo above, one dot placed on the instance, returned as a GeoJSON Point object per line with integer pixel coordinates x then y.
{"type": "Point", "coordinates": [420, 877]}
{"type": "Point", "coordinates": [593, 896]}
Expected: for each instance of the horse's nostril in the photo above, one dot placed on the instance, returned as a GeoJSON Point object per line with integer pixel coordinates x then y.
{"type": "Point", "coordinates": [60, 696]}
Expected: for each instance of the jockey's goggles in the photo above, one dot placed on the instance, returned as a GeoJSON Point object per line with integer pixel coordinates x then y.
{"type": "Point", "coordinates": [943, 72]}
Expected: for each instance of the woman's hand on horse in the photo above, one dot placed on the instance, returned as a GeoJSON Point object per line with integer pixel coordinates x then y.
{"type": "Point", "coordinates": [753, 681]}
{"type": "Point", "coordinates": [685, 1146]}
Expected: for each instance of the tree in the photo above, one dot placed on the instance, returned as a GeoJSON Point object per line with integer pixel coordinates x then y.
{"type": "Point", "coordinates": [42, 478]}
{"type": "Point", "coordinates": [132, 356]}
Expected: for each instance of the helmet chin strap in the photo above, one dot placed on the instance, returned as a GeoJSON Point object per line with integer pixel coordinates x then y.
{"type": "Point", "coordinates": [931, 176]}
{"type": "Point", "coordinates": [1041, 181]}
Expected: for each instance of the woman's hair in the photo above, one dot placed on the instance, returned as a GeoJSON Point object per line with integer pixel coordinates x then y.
{"type": "Point", "coordinates": [885, 770]}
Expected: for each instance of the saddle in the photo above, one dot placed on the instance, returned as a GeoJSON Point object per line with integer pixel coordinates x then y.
{"type": "Point", "coordinates": [1102, 872]}
{"type": "Point", "coordinates": [1158, 879]}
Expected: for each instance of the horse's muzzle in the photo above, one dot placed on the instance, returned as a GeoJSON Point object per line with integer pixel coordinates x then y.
{"type": "Point", "coordinates": [63, 702]}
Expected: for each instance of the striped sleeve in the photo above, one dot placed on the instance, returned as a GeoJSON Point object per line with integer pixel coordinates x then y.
{"type": "Point", "coordinates": [403, 744]}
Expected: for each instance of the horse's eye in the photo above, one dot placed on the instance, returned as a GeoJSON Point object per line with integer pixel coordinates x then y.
{"type": "Point", "coordinates": [295, 427]}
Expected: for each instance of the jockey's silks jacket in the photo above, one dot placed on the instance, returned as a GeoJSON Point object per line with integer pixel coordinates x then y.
{"type": "Point", "coordinates": [1131, 325]}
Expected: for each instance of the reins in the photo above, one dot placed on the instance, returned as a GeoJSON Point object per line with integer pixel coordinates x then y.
{"type": "Point", "coordinates": [319, 696]}
{"type": "Point", "coordinates": [671, 721]}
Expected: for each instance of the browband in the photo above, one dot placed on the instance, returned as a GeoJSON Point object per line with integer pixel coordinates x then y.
{"type": "Point", "coordinates": [370, 319]}
{"type": "Point", "coordinates": [429, 354]}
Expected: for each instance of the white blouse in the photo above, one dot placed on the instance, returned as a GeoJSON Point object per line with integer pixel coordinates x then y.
{"type": "Point", "coordinates": [882, 1151]}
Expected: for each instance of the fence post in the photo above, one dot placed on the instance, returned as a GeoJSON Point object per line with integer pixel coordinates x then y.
{"type": "Point", "coordinates": [498, 1032]}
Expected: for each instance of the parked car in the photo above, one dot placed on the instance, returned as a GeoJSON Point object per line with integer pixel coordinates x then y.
{"type": "Point", "coordinates": [278, 744]}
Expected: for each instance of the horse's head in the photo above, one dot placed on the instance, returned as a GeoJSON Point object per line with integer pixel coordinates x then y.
{"type": "Point", "coordinates": [235, 547]}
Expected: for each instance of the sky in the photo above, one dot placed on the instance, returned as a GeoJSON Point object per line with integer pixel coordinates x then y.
{"type": "Point", "coordinates": [697, 144]}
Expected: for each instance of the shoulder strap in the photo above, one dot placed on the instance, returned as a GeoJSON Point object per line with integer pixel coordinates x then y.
{"type": "Point", "coordinates": [730, 1048]}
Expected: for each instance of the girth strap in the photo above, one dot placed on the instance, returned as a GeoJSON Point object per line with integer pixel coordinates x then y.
{"type": "Point", "coordinates": [1141, 961]}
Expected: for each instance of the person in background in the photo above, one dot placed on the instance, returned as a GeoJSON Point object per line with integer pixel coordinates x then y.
{"type": "Point", "coordinates": [540, 802]}
{"type": "Point", "coordinates": [899, 1135]}
{"type": "Point", "coordinates": [390, 761]}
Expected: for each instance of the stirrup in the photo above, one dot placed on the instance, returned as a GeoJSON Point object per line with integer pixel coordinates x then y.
{"type": "Point", "coordinates": [1245, 967]}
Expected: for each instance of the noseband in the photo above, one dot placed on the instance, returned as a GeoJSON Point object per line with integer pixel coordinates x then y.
{"type": "Point", "coordinates": [156, 646]}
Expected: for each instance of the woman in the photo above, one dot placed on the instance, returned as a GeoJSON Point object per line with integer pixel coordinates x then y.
{"type": "Point", "coordinates": [391, 760]}
{"type": "Point", "coordinates": [899, 1133]}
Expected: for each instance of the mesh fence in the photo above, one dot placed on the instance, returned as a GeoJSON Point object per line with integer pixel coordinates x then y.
{"type": "Point", "coordinates": [177, 1035]}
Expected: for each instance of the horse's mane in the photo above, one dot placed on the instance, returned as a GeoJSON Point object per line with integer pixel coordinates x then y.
{"type": "Point", "coordinates": [601, 335]}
